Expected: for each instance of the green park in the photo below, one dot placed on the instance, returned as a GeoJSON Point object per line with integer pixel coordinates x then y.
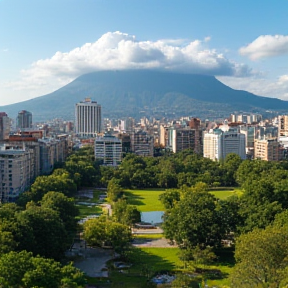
{"type": "Point", "coordinates": [224, 224]}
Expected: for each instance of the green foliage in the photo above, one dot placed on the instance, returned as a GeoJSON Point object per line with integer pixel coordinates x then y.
{"type": "Point", "coordinates": [114, 190]}
{"type": "Point", "coordinates": [261, 257]}
{"type": "Point", "coordinates": [82, 168]}
{"type": "Point", "coordinates": [194, 220]}
{"type": "Point", "coordinates": [58, 182]}
{"type": "Point", "coordinates": [43, 231]}
{"type": "Point", "coordinates": [170, 198]}
{"type": "Point", "coordinates": [103, 232]}
{"type": "Point", "coordinates": [23, 270]}
{"type": "Point", "coordinates": [125, 214]}
{"type": "Point", "coordinates": [64, 206]}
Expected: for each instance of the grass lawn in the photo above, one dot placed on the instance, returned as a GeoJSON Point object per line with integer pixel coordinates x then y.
{"type": "Point", "coordinates": [146, 200]}
{"type": "Point", "coordinates": [225, 193]}
{"type": "Point", "coordinates": [149, 261]}
{"type": "Point", "coordinates": [88, 210]}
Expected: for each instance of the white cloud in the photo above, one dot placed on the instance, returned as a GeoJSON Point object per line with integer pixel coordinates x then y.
{"type": "Point", "coordinates": [266, 46]}
{"type": "Point", "coordinates": [116, 50]}
{"type": "Point", "coordinates": [277, 88]}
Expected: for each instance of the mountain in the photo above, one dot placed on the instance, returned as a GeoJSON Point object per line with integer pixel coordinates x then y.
{"type": "Point", "coordinates": [136, 92]}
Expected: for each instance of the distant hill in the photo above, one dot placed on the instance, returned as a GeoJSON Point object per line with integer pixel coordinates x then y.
{"type": "Point", "coordinates": [153, 93]}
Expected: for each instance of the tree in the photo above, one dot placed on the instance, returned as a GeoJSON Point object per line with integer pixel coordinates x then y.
{"type": "Point", "coordinates": [262, 200]}
{"type": "Point", "coordinates": [64, 206]}
{"type": "Point", "coordinates": [45, 231]}
{"type": "Point", "coordinates": [101, 231]}
{"type": "Point", "coordinates": [125, 214]}
{"type": "Point", "coordinates": [261, 257]}
{"type": "Point", "coordinates": [194, 220]}
{"type": "Point", "coordinates": [230, 166]}
{"type": "Point", "coordinates": [23, 270]}
{"type": "Point", "coordinates": [44, 184]}
{"type": "Point", "coordinates": [170, 198]}
{"type": "Point", "coordinates": [114, 190]}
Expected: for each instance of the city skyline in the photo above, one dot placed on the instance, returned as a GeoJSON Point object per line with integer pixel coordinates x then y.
{"type": "Point", "coordinates": [47, 44]}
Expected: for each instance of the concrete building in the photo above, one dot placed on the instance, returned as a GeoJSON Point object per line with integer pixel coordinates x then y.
{"type": "Point", "coordinates": [282, 125]}
{"type": "Point", "coordinates": [185, 138]}
{"type": "Point", "coordinates": [108, 149]}
{"type": "Point", "coordinates": [142, 143]}
{"type": "Point", "coordinates": [126, 142]}
{"type": "Point", "coordinates": [16, 172]}
{"type": "Point", "coordinates": [212, 146]}
{"type": "Point", "coordinates": [52, 151]}
{"type": "Point", "coordinates": [88, 118]}
{"type": "Point", "coordinates": [163, 136]}
{"type": "Point", "coordinates": [246, 118]}
{"type": "Point", "coordinates": [267, 149]}
{"type": "Point", "coordinates": [4, 126]}
{"type": "Point", "coordinates": [24, 120]}
{"type": "Point", "coordinates": [250, 133]}
{"type": "Point", "coordinates": [218, 144]}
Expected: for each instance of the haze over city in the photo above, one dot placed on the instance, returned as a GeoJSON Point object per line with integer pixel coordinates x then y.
{"type": "Point", "coordinates": [47, 44]}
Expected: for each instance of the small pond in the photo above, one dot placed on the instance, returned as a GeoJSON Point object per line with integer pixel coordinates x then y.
{"type": "Point", "coordinates": [152, 217]}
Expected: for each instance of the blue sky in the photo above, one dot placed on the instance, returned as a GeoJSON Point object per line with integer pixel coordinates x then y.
{"type": "Point", "coordinates": [45, 44]}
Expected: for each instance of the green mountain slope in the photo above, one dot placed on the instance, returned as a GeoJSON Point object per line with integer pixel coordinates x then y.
{"type": "Point", "coordinates": [127, 93]}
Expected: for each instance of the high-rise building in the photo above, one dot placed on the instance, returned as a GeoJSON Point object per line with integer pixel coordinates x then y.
{"type": "Point", "coordinates": [24, 119]}
{"type": "Point", "coordinates": [108, 149]}
{"type": "Point", "coordinates": [87, 118]}
{"type": "Point", "coordinates": [283, 125]}
{"type": "Point", "coordinates": [4, 126]}
{"type": "Point", "coordinates": [218, 144]}
{"type": "Point", "coordinates": [212, 145]}
{"type": "Point", "coordinates": [185, 138]}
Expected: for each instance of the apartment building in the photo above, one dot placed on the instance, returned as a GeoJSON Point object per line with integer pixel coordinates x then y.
{"type": "Point", "coordinates": [108, 149]}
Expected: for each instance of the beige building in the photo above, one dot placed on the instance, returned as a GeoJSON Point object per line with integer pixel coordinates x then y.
{"type": "Point", "coordinates": [283, 125]}
{"type": "Point", "coordinates": [16, 172]}
{"type": "Point", "coordinates": [163, 135]}
{"type": "Point", "coordinates": [212, 145]}
{"type": "Point", "coordinates": [267, 149]}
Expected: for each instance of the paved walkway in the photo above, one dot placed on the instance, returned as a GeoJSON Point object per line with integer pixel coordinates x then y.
{"type": "Point", "coordinates": [92, 261]}
{"type": "Point", "coordinates": [160, 243]}
{"type": "Point", "coordinates": [156, 230]}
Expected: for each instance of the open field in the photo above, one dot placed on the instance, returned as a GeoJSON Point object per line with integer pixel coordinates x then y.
{"type": "Point", "coordinates": [225, 193]}
{"type": "Point", "coordinates": [146, 200]}
{"type": "Point", "coordinates": [150, 261]}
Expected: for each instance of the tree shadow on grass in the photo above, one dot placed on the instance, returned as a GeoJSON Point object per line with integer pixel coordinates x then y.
{"type": "Point", "coordinates": [144, 267]}
{"type": "Point", "coordinates": [225, 257]}
{"type": "Point", "coordinates": [133, 199]}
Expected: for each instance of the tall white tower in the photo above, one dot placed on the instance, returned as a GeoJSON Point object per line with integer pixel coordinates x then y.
{"type": "Point", "coordinates": [87, 118]}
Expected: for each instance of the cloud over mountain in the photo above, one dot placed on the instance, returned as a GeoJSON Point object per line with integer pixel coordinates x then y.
{"type": "Point", "coordinates": [266, 46]}
{"type": "Point", "coordinates": [119, 51]}
{"type": "Point", "coordinates": [260, 86]}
